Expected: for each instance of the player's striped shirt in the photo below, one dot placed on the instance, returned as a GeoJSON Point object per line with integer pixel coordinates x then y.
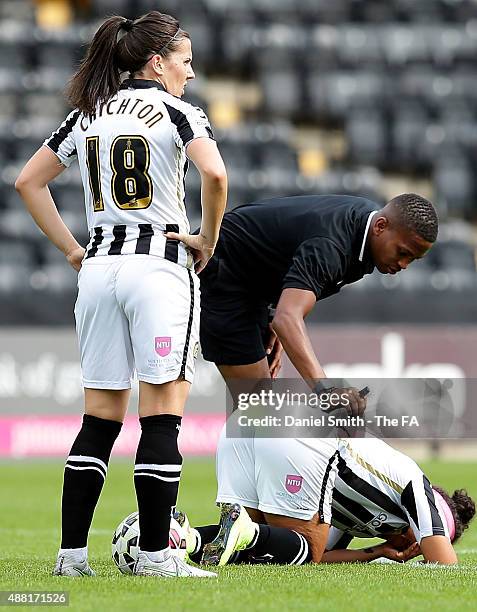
{"type": "Point", "coordinates": [378, 491]}
{"type": "Point", "coordinates": [132, 159]}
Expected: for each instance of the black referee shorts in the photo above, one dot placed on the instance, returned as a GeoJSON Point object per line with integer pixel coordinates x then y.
{"type": "Point", "coordinates": [233, 325]}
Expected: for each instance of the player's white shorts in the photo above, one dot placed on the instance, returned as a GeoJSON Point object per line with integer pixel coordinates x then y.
{"type": "Point", "coordinates": [136, 313]}
{"type": "Point", "coordinates": [286, 476]}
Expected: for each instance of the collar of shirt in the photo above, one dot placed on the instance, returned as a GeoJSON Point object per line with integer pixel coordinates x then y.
{"type": "Point", "coordinates": [366, 231]}
{"type": "Point", "coordinates": [141, 84]}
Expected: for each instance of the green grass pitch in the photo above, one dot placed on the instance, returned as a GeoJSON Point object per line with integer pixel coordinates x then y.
{"type": "Point", "coordinates": [29, 529]}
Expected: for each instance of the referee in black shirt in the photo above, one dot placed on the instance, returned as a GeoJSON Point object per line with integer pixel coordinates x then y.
{"type": "Point", "coordinates": [288, 253]}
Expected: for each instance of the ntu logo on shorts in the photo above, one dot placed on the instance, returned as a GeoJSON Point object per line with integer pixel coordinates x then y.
{"type": "Point", "coordinates": [293, 483]}
{"type": "Point", "coordinates": [163, 345]}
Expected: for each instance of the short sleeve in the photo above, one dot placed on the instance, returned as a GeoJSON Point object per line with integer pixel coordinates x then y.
{"type": "Point", "coordinates": [420, 506]}
{"type": "Point", "coordinates": [317, 265]}
{"type": "Point", "coordinates": [62, 142]}
{"type": "Point", "coordinates": [191, 122]}
{"type": "Point", "coordinates": [199, 123]}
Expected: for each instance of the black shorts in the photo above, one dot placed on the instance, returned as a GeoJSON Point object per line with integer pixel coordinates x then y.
{"type": "Point", "coordinates": [233, 324]}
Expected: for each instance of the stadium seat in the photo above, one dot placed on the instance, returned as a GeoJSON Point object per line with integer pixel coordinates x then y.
{"type": "Point", "coordinates": [25, 147]}
{"type": "Point", "coordinates": [453, 255]}
{"type": "Point", "coordinates": [51, 255]}
{"type": "Point", "coordinates": [333, 94]}
{"type": "Point", "coordinates": [9, 80]}
{"type": "Point", "coordinates": [373, 11]}
{"type": "Point", "coordinates": [238, 156]}
{"type": "Point", "coordinates": [366, 134]}
{"type": "Point", "coordinates": [17, 223]}
{"type": "Point", "coordinates": [16, 10]}
{"type": "Point", "coordinates": [16, 252]}
{"type": "Point", "coordinates": [13, 279]}
{"type": "Point", "coordinates": [402, 44]}
{"type": "Point", "coordinates": [76, 222]}
{"type": "Point", "coordinates": [454, 183]}
{"type": "Point", "coordinates": [278, 155]}
{"type": "Point", "coordinates": [415, 278]}
{"type": "Point", "coordinates": [57, 55]}
{"type": "Point", "coordinates": [421, 11]}
{"type": "Point", "coordinates": [281, 93]}
{"type": "Point", "coordinates": [12, 57]}
{"type": "Point", "coordinates": [358, 45]}
{"type": "Point", "coordinates": [69, 198]}
{"type": "Point", "coordinates": [458, 280]}
{"type": "Point", "coordinates": [41, 104]}
{"type": "Point", "coordinates": [323, 11]}
{"type": "Point", "coordinates": [123, 7]}
{"type": "Point", "coordinates": [201, 33]}
{"type": "Point", "coordinates": [8, 107]}
{"type": "Point", "coordinates": [408, 135]}
{"type": "Point", "coordinates": [59, 277]}
{"type": "Point", "coordinates": [458, 10]}
{"type": "Point", "coordinates": [460, 127]}
{"type": "Point", "coordinates": [323, 44]}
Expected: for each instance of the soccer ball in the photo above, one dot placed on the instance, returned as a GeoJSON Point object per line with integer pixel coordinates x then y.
{"type": "Point", "coordinates": [125, 544]}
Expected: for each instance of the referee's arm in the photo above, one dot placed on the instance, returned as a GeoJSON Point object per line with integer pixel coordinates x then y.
{"type": "Point", "coordinates": [289, 325]}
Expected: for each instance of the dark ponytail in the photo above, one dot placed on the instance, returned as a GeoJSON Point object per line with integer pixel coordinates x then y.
{"type": "Point", "coordinates": [121, 45]}
{"type": "Point", "coordinates": [98, 77]}
{"type": "Point", "coordinates": [462, 507]}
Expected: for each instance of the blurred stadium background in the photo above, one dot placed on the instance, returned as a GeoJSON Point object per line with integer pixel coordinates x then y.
{"type": "Point", "coordinates": [305, 96]}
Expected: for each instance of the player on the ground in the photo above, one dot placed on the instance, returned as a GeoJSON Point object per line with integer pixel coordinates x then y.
{"type": "Point", "coordinates": [289, 253]}
{"type": "Point", "coordinates": [378, 492]}
{"type": "Point", "coordinates": [138, 300]}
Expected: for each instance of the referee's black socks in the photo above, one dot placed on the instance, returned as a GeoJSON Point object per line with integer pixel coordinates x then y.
{"type": "Point", "coordinates": [85, 472]}
{"type": "Point", "coordinates": [157, 474]}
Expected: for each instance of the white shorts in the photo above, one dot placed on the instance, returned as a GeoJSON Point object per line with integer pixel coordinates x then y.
{"type": "Point", "coordinates": [286, 476]}
{"type": "Point", "coordinates": [136, 313]}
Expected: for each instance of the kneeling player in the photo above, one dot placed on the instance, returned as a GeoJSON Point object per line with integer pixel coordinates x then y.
{"type": "Point", "coordinates": [376, 490]}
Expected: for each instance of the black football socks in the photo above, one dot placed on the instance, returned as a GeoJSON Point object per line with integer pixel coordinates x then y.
{"type": "Point", "coordinates": [157, 474]}
{"type": "Point", "coordinates": [84, 476]}
{"type": "Point", "coordinates": [278, 546]}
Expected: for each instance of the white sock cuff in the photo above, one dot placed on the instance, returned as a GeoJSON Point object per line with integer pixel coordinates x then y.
{"type": "Point", "coordinates": [80, 553]}
{"type": "Point", "coordinates": [157, 556]}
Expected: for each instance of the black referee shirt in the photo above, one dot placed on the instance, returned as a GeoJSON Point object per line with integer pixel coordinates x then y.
{"type": "Point", "coordinates": [305, 242]}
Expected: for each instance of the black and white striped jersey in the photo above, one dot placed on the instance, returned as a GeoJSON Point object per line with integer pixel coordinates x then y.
{"type": "Point", "coordinates": [132, 159]}
{"type": "Point", "coordinates": [379, 490]}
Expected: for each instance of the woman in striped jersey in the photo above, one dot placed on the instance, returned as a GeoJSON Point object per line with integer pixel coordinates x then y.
{"type": "Point", "coordinates": [273, 494]}
{"type": "Point", "coordinates": [138, 301]}
{"type": "Point", "coordinates": [380, 492]}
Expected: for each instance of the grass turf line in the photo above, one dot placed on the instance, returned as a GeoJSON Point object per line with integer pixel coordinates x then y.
{"type": "Point", "coordinates": [29, 529]}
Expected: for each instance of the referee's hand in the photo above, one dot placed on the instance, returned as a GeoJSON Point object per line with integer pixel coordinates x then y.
{"type": "Point", "coordinates": [356, 403]}
{"type": "Point", "coordinates": [353, 401]}
{"type": "Point", "coordinates": [201, 250]}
